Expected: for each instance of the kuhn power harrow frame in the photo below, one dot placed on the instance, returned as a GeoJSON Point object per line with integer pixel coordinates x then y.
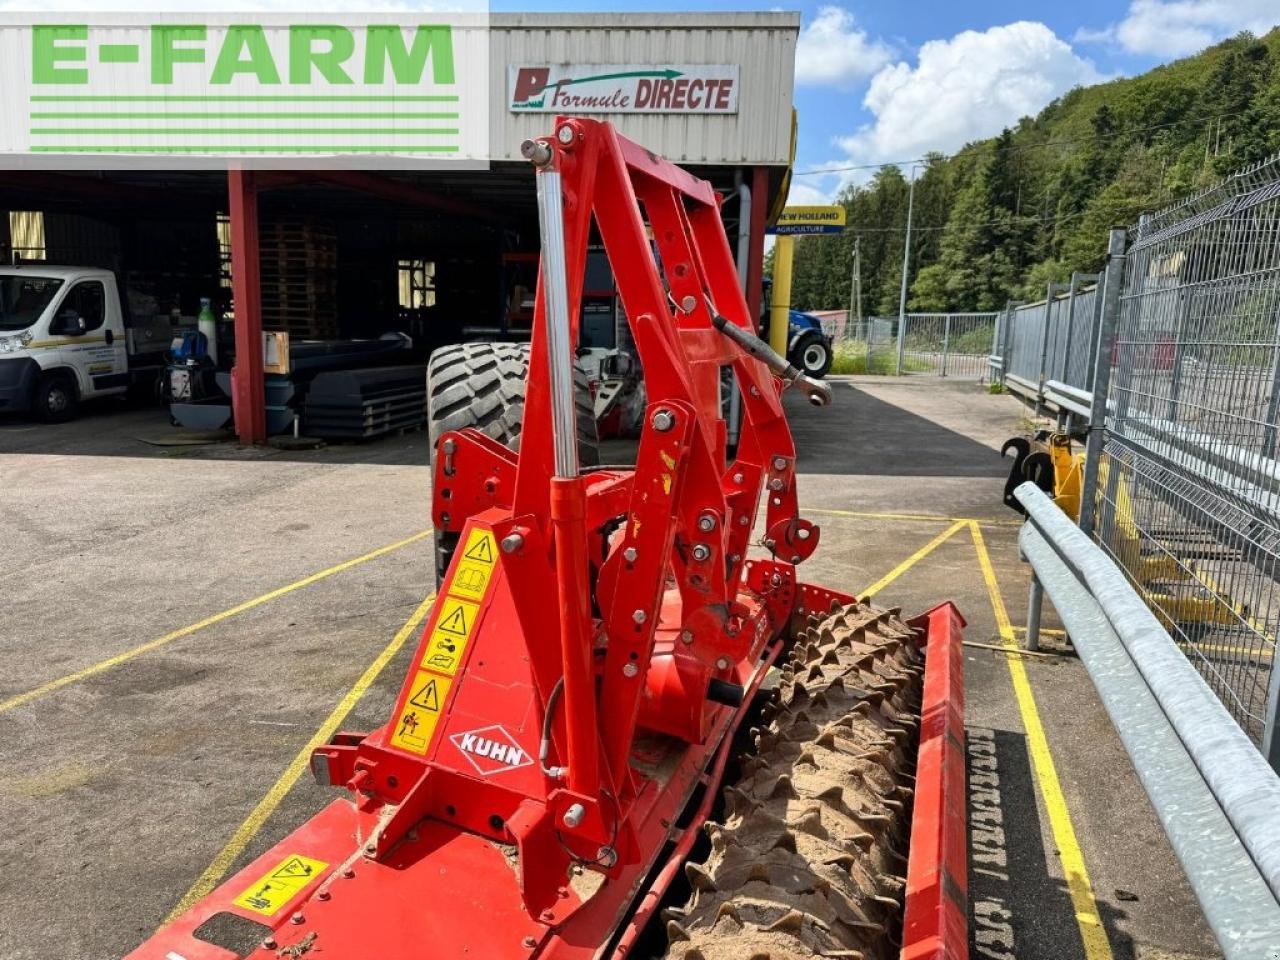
{"type": "Point", "coordinates": [595, 640]}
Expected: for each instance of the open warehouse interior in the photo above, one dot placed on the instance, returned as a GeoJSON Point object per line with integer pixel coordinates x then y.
{"type": "Point", "coordinates": [412, 259]}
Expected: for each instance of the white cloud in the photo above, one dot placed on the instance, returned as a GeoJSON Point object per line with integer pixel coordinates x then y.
{"type": "Point", "coordinates": [962, 89]}
{"type": "Point", "coordinates": [804, 194]}
{"type": "Point", "coordinates": [833, 52]}
{"type": "Point", "coordinates": [1174, 28]}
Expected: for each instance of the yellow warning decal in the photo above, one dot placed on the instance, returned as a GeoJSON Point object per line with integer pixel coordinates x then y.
{"type": "Point", "coordinates": [475, 567]}
{"type": "Point", "coordinates": [449, 636]}
{"type": "Point", "coordinates": [280, 884]}
{"type": "Point", "coordinates": [417, 722]}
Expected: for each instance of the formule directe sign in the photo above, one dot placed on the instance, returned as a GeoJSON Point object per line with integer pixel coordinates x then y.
{"type": "Point", "coordinates": [797, 221]}
{"type": "Point", "coordinates": [212, 90]}
{"type": "Point", "coordinates": [623, 88]}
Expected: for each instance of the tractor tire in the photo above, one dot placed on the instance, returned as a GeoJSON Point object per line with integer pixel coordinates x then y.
{"type": "Point", "coordinates": [56, 398]}
{"type": "Point", "coordinates": [811, 857]}
{"type": "Point", "coordinates": [812, 354]}
{"type": "Point", "coordinates": [482, 385]}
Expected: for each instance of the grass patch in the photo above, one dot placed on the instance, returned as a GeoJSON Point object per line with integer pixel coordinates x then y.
{"type": "Point", "coordinates": [851, 358]}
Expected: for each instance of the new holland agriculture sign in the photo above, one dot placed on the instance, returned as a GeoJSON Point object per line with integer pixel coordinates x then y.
{"type": "Point", "coordinates": [620, 88]}
{"type": "Point", "coordinates": [209, 90]}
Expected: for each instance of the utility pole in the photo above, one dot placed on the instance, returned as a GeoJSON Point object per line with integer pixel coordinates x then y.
{"type": "Point", "coordinates": [855, 285]}
{"type": "Point", "coordinates": [906, 263]}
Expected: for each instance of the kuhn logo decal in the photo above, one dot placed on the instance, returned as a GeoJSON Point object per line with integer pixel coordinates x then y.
{"type": "Point", "coordinates": [491, 750]}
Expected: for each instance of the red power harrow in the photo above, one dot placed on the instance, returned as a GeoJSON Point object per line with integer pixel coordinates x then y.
{"type": "Point", "coordinates": [599, 638]}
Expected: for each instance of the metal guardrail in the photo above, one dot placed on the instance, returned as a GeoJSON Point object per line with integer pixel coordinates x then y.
{"type": "Point", "coordinates": [1214, 793]}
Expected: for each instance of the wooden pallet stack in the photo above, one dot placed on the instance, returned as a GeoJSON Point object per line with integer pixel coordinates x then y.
{"type": "Point", "coordinates": [299, 287]}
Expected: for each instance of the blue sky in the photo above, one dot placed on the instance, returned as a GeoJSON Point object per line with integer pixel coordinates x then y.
{"type": "Point", "coordinates": [881, 81]}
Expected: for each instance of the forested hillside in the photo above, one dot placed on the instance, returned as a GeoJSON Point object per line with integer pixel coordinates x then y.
{"type": "Point", "coordinates": [1006, 215]}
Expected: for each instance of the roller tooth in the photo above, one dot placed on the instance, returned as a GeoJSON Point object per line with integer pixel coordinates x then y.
{"type": "Point", "coordinates": [820, 699]}
{"type": "Point", "coordinates": [716, 833]}
{"type": "Point", "coordinates": [812, 652]}
{"type": "Point", "coordinates": [843, 860]}
{"type": "Point", "coordinates": [815, 672]}
{"type": "Point", "coordinates": [786, 841]}
{"type": "Point", "coordinates": [832, 795]}
{"type": "Point", "coordinates": [676, 933]}
{"type": "Point", "coordinates": [826, 739]}
{"type": "Point", "coordinates": [727, 909]}
{"type": "Point", "coordinates": [831, 657]}
{"type": "Point", "coordinates": [694, 954]}
{"type": "Point", "coordinates": [809, 822]}
{"type": "Point", "coordinates": [782, 787]}
{"type": "Point", "coordinates": [673, 913]}
{"type": "Point", "coordinates": [699, 878]}
{"type": "Point", "coordinates": [806, 757]}
{"type": "Point", "coordinates": [799, 693]}
{"type": "Point", "coordinates": [889, 902]}
{"type": "Point", "coordinates": [790, 922]}
{"type": "Point", "coordinates": [758, 871]}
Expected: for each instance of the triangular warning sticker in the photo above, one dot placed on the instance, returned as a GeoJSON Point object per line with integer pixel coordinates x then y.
{"type": "Point", "coordinates": [293, 868]}
{"type": "Point", "coordinates": [455, 622]}
{"type": "Point", "coordinates": [481, 550]}
{"type": "Point", "coordinates": [427, 698]}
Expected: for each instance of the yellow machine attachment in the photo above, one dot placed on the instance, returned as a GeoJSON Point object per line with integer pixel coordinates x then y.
{"type": "Point", "coordinates": [1174, 588]}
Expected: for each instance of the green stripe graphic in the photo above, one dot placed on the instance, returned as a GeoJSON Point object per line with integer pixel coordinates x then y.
{"type": "Point", "coordinates": [243, 98]}
{"type": "Point", "coordinates": [98, 115]}
{"type": "Point", "coordinates": [220, 131]}
{"type": "Point", "coordinates": [222, 148]}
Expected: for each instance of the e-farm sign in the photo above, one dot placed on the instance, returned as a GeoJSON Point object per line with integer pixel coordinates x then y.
{"type": "Point", "coordinates": [249, 90]}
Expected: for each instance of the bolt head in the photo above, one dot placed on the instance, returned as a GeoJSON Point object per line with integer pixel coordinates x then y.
{"type": "Point", "coordinates": [779, 463]}
{"type": "Point", "coordinates": [707, 522]}
{"type": "Point", "coordinates": [449, 446]}
{"type": "Point", "coordinates": [269, 943]}
{"type": "Point", "coordinates": [639, 616]}
{"type": "Point", "coordinates": [686, 636]}
{"type": "Point", "coordinates": [512, 542]}
{"type": "Point", "coordinates": [573, 816]}
{"type": "Point", "coordinates": [663, 421]}
{"type": "Point", "coordinates": [607, 857]}
{"type": "Point", "coordinates": [738, 478]}
{"type": "Point", "coordinates": [743, 521]}
{"type": "Point", "coordinates": [630, 554]}
{"type": "Point", "coordinates": [775, 484]}
{"type": "Point", "coordinates": [701, 552]}
{"type": "Point", "coordinates": [722, 663]}
{"type": "Point", "coordinates": [629, 670]}
{"type": "Point", "coordinates": [529, 943]}
{"type": "Point", "coordinates": [323, 895]}
{"type": "Point", "coordinates": [297, 918]}
{"type": "Point", "coordinates": [565, 134]}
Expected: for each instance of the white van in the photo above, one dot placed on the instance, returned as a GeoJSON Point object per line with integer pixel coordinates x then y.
{"type": "Point", "coordinates": [63, 339]}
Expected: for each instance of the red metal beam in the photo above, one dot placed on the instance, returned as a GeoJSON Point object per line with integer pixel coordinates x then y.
{"type": "Point", "coordinates": [398, 191]}
{"type": "Point", "coordinates": [936, 925]}
{"type": "Point", "coordinates": [755, 255]}
{"type": "Point", "coordinates": [248, 390]}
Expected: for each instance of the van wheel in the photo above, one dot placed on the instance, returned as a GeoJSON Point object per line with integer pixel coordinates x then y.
{"type": "Point", "coordinates": [56, 398]}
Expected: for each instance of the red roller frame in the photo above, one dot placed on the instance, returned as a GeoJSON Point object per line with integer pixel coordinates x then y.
{"type": "Point", "coordinates": [936, 926]}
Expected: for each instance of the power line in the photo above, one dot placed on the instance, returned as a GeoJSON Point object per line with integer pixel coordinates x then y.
{"type": "Point", "coordinates": [1019, 148]}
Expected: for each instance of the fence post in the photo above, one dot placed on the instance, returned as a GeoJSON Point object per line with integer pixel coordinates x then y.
{"type": "Point", "coordinates": [1035, 603]}
{"type": "Point", "coordinates": [1113, 278]}
{"type": "Point", "coordinates": [946, 341]}
{"type": "Point", "coordinates": [1271, 728]}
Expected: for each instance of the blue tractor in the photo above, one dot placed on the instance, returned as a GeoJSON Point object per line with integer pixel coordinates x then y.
{"type": "Point", "coordinates": [808, 348]}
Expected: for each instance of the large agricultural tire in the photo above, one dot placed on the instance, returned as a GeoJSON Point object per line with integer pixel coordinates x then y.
{"type": "Point", "coordinates": [811, 856]}
{"type": "Point", "coordinates": [482, 385]}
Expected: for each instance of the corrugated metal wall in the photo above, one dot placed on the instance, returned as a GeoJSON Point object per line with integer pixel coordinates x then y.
{"type": "Point", "coordinates": [763, 45]}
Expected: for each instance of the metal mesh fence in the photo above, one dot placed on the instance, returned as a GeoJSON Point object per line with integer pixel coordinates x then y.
{"type": "Point", "coordinates": [938, 344]}
{"type": "Point", "coordinates": [1189, 486]}
{"type": "Point", "coordinates": [1054, 339]}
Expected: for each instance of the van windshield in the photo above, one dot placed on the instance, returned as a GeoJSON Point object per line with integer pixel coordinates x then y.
{"type": "Point", "coordinates": [23, 299]}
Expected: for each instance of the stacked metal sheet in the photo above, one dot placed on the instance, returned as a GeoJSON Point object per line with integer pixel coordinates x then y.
{"type": "Point", "coordinates": [360, 404]}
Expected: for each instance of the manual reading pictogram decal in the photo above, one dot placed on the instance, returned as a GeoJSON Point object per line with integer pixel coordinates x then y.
{"type": "Point", "coordinates": [417, 721]}
{"type": "Point", "coordinates": [280, 884]}
{"type": "Point", "coordinates": [475, 566]}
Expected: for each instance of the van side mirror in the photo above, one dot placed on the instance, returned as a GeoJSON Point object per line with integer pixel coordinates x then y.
{"type": "Point", "coordinates": [68, 323]}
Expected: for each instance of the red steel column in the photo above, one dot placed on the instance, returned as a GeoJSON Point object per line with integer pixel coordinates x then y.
{"type": "Point", "coordinates": [755, 255]}
{"type": "Point", "coordinates": [248, 391]}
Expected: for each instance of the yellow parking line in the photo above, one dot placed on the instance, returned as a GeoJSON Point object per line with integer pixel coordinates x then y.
{"type": "Point", "coordinates": [927, 517]}
{"type": "Point", "coordinates": [1079, 886]}
{"type": "Point", "coordinates": [251, 824]}
{"type": "Point", "coordinates": [47, 688]}
{"type": "Point", "coordinates": [912, 560]}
